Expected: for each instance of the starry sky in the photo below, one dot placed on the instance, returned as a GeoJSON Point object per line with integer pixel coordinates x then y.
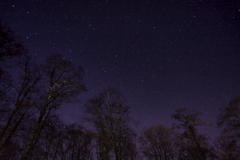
{"type": "Point", "coordinates": [163, 55]}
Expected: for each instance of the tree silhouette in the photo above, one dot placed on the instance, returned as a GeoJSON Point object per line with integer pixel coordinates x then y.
{"type": "Point", "coordinates": [17, 94]}
{"type": "Point", "coordinates": [30, 94]}
{"type": "Point", "coordinates": [109, 115]}
{"type": "Point", "coordinates": [229, 118]}
{"type": "Point", "coordinates": [227, 144]}
{"type": "Point", "coordinates": [10, 50]}
{"type": "Point", "coordinates": [227, 148]}
{"type": "Point", "coordinates": [158, 142]}
{"type": "Point", "coordinates": [194, 145]}
{"type": "Point", "coordinates": [62, 84]}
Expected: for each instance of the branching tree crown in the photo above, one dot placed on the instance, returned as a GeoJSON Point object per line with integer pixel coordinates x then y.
{"type": "Point", "coordinates": [194, 144]}
{"type": "Point", "coordinates": [109, 115]}
{"type": "Point", "coordinates": [229, 118]}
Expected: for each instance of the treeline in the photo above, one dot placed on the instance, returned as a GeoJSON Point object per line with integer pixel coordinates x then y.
{"type": "Point", "coordinates": [30, 94]}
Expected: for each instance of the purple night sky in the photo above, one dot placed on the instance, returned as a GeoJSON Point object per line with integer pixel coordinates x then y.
{"type": "Point", "coordinates": [163, 55]}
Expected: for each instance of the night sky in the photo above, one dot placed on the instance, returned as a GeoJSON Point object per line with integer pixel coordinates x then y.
{"type": "Point", "coordinates": [163, 55]}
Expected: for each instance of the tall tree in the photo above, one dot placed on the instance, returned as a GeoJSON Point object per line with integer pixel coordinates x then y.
{"type": "Point", "coordinates": [158, 142]}
{"type": "Point", "coordinates": [195, 144]}
{"type": "Point", "coordinates": [78, 143]}
{"type": "Point", "coordinates": [229, 118]}
{"type": "Point", "coordinates": [227, 144]}
{"type": "Point", "coordinates": [23, 98]}
{"type": "Point", "coordinates": [62, 84]}
{"type": "Point", "coordinates": [11, 48]}
{"type": "Point", "coordinates": [59, 141]}
{"type": "Point", "coordinates": [17, 94]}
{"type": "Point", "coordinates": [129, 145]}
{"type": "Point", "coordinates": [227, 148]}
{"type": "Point", "coordinates": [109, 115]}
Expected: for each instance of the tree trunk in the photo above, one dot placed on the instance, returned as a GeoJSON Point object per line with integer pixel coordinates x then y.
{"type": "Point", "coordinates": [30, 145]}
{"type": "Point", "coordinates": [11, 134]}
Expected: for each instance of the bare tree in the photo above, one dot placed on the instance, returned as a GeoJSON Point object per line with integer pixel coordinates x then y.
{"type": "Point", "coordinates": [34, 95]}
{"type": "Point", "coordinates": [229, 118]}
{"type": "Point", "coordinates": [195, 144]}
{"type": "Point", "coordinates": [227, 148]}
{"type": "Point", "coordinates": [158, 142]}
{"type": "Point", "coordinates": [23, 99]}
{"type": "Point", "coordinates": [129, 144]}
{"type": "Point", "coordinates": [11, 48]}
{"type": "Point", "coordinates": [109, 115]}
{"type": "Point", "coordinates": [227, 144]}
{"type": "Point", "coordinates": [78, 144]}
{"type": "Point", "coordinates": [62, 84]}
{"type": "Point", "coordinates": [17, 94]}
{"type": "Point", "coordinates": [59, 141]}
